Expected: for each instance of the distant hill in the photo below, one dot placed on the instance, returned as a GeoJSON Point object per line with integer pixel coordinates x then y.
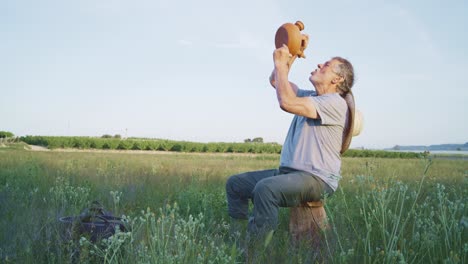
{"type": "Point", "coordinates": [451, 147]}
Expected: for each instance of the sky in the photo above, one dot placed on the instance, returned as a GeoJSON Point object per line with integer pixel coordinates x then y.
{"type": "Point", "coordinates": [198, 70]}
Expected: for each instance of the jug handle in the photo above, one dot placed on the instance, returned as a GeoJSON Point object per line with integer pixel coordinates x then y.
{"type": "Point", "coordinates": [301, 53]}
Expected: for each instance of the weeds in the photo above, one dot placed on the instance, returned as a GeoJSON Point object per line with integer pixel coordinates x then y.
{"type": "Point", "coordinates": [396, 224]}
{"type": "Point", "coordinates": [385, 211]}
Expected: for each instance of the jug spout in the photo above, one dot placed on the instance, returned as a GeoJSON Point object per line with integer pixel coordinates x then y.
{"type": "Point", "coordinates": [300, 25]}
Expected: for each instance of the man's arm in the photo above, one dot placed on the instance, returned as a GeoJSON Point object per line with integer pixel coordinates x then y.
{"type": "Point", "coordinates": [287, 93]}
{"type": "Point", "coordinates": [273, 82]}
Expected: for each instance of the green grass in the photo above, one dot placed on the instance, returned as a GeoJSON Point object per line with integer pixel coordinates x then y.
{"type": "Point", "coordinates": [385, 211]}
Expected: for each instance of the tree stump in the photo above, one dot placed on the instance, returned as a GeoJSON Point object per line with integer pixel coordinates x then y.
{"type": "Point", "coordinates": [307, 223]}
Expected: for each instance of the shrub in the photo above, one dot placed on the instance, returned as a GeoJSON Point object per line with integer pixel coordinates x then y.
{"type": "Point", "coordinates": [124, 145]}
{"type": "Point", "coordinates": [6, 134]}
{"type": "Point", "coordinates": [176, 147]}
{"type": "Point", "coordinates": [151, 145]}
{"type": "Point", "coordinates": [77, 143]}
{"type": "Point", "coordinates": [110, 144]}
{"type": "Point", "coordinates": [258, 140]}
{"type": "Point", "coordinates": [96, 143]}
{"type": "Point", "coordinates": [163, 145]}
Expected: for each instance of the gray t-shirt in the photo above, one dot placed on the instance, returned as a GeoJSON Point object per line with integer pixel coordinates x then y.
{"type": "Point", "coordinates": [314, 145]}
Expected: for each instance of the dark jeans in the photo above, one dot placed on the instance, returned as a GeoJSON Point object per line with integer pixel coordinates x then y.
{"type": "Point", "coordinates": [269, 190]}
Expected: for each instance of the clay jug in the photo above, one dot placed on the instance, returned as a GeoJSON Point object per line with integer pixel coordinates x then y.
{"type": "Point", "coordinates": [290, 34]}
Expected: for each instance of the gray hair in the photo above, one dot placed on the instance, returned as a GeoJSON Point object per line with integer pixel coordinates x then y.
{"type": "Point", "coordinates": [346, 71]}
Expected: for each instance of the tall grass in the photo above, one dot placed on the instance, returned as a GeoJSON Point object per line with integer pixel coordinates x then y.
{"type": "Point", "coordinates": [389, 221]}
{"type": "Point", "coordinates": [385, 211]}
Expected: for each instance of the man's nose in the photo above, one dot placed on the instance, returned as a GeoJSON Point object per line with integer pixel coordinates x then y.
{"type": "Point", "coordinates": [319, 66]}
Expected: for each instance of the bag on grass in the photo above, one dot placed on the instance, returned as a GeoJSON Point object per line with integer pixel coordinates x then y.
{"type": "Point", "coordinates": [94, 222]}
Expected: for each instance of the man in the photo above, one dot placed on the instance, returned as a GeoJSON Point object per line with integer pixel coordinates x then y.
{"type": "Point", "coordinates": [311, 155]}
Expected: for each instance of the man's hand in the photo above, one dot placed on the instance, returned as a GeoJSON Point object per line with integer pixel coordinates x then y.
{"type": "Point", "coordinates": [304, 44]}
{"type": "Point", "coordinates": [282, 57]}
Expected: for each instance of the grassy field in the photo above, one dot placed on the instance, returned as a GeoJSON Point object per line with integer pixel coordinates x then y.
{"type": "Point", "coordinates": [385, 211]}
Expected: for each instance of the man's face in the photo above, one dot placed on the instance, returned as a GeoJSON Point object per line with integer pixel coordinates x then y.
{"type": "Point", "coordinates": [324, 76]}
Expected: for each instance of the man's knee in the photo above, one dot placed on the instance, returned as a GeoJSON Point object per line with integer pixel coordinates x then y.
{"type": "Point", "coordinates": [231, 184]}
{"type": "Point", "coordinates": [265, 189]}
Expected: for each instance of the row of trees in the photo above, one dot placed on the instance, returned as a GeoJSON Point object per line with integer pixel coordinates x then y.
{"type": "Point", "coordinates": [110, 136]}
{"type": "Point", "coordinates": [254, 140]}
{"type": "Point", "coordinates": [186, 146]}
{"type": "Point", "coordinates": [149, 144]}
{"type": "Point", "coordinates": [358, 153]}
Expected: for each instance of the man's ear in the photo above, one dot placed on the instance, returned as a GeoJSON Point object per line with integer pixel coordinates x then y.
{"type": "Point", "coordinates": [337, 80]}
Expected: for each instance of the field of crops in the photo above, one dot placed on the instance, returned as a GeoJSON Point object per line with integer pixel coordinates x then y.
{"type": "Point", "coordinates": [385, 211]}
{"type": "Point", "coordinates": [106, 143]}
